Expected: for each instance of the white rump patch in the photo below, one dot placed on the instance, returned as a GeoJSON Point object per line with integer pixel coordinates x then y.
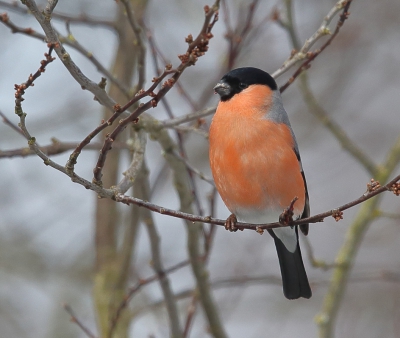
{"type": "Point", "coordinates": [288, 237]}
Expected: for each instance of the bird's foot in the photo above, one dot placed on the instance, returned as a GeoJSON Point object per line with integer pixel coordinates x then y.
{"type": "Point", "coordinates": [230, 223]}
{"type": "Point", "coordinates": [286, 216]}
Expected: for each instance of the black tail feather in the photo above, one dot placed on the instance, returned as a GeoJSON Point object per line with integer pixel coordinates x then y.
{"type": "Point", "coordinates": [294, 277]}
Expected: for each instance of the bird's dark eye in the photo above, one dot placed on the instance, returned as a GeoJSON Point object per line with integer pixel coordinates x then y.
{"type": "Point", "coordinates": [243, 85]}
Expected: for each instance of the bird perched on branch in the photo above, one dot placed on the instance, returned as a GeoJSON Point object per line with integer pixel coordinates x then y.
{"type": "Point", "coordinates": [257, 168]}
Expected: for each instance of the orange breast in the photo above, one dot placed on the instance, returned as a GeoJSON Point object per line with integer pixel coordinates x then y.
{"type": "Point", "coordinates": [251, 157]}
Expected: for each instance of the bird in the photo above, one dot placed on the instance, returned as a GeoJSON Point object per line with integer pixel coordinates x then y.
{"type": "Point", "coordinates": [256, 166]}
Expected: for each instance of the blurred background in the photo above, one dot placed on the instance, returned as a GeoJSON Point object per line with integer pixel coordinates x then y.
{"type": "Point", "coordinates": [47, 223]}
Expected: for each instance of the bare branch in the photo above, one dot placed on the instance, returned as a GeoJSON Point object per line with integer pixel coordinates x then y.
{"type": "Point", "coordinates": [139, 43]}
{"type": "Point", "coordinates": [81, 19]}
{"type": "Point", "coordinates": [237, 37]}
{"type": "Point", "coordinates": [66, 59]}
{"type": "Point", "coordinates": [207, 219]}
{"type": "Point", "coordinates": [11, 125]}
{"type": "Point", "coordinates": [209, 180]}
{"type": "Point", "coordinates": [143, 282]}
{"type": "Point", "coordinates": [187, 216]}
{"type": "Point", "coordinates": [323, 30]}
{"type": "Point", "coordinates": [156, 53]}
{"type": "Point", "coordinates": [316, 263]}
{"type": "Point", "coordinates": [196, 49]}
{"type": "Point", "coordinates": [315, 108]}
{"type": "Point", "coordinates": [189, 117]}
{"type": "Point", "coordinates": [75, 320]}
{"type": "Point", "coordinates": [355, 233]}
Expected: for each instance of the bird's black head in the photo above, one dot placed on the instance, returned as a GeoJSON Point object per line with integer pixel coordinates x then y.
{"type": "Point", "coordinates": [238, 79]}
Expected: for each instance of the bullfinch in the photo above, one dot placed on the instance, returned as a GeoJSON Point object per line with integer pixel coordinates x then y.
{"type": "Point", "coordinates": [256, 166]}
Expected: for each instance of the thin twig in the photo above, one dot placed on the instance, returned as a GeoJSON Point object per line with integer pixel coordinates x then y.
{"type": "Point", "coordinates": [316, 263]}
{"type": "Point", "coordinates": [190, 217]}
{"type": "Point", "coordinates": [237, 37]}
{"type": "Point", "coordinates": [187, 118]}
{"type": "Point", "coordinates": [316, 109]}
{"type": "Point", "coordinates": [20, 89]}
{"type": "Point", "coordinates": [139, 43]}
{"type": "Point", "coordinates": [71, 41]}
{"type": "Point", "coordinates": [323, 30]}
{"type": "Point", "coordinates": [196, 48]}
{"type": "Point", "coordinates": [156, 53]}
{"type": "Point", "coordinates": [248, 280]}
{"type": "Point", "coordinates": [141, 283]}
{"type": "Point", "coordinates": [118, 110]}
{"type": "Point", "coordinates": [347, 253]}
{"type": "Point", "coordinates": [193, 169]}
{"type": "Point", "coordinates": [11, 125]}
{"type": "Point", "coordinates": [187, 216]}
{"type": "Point", "coordinates": [55, 148]}
{"type": "Point", "coordinates": [75, 320]}
{"type": "Point", "coordinates": [82, 19]}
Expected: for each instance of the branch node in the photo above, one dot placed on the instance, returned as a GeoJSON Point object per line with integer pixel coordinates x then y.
{"type": "Point", "coordinates": [259, 230]}
{"type": "Point", "coordinates": [32, 141]}
{"type": "Point", "coordinates": [66, 56]}
{"type": "Point", "coordinates": [337, 214]}
{"type": "Point", "coordinates": [395, 188]}
{"type": "Point", "coordinates": [372, 186]}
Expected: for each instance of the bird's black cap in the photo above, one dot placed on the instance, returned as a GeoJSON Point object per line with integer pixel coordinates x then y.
{"type": "Point", "coordinates": [238, 79]}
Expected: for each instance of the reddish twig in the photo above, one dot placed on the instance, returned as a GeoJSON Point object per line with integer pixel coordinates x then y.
{"type": "Point", "coordinates": [20, 89]}
{"type": "Point", "coordinates": [156, 53]}
{"type": "Point", "coordinates": [312, 55]}
{"type": "Point", "coordinates": [75, 320]}
{"type": "Point", "coordinates": [179, 135]}
{"type": "Point", "coordinates": [107, 145]}
{"type": "Point", "coordinates": [196, 49]}
{"type": "Point", "coordinates": [5, 19]}
{"type": "Point", "coordinates": [67, 41]}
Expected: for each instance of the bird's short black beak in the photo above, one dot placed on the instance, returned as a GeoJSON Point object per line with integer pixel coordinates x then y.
{"type": "Point", "coordinates": [222, 89]}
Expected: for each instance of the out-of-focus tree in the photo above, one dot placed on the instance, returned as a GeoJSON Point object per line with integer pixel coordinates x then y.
{"type": "Point", "coordinates": [117, 263]}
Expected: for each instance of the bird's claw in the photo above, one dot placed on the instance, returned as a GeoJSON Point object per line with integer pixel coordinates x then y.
{"type": "Point", "coordinates": [286, 217]}
{"type": "Point", "coordinates": [230, 223]}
